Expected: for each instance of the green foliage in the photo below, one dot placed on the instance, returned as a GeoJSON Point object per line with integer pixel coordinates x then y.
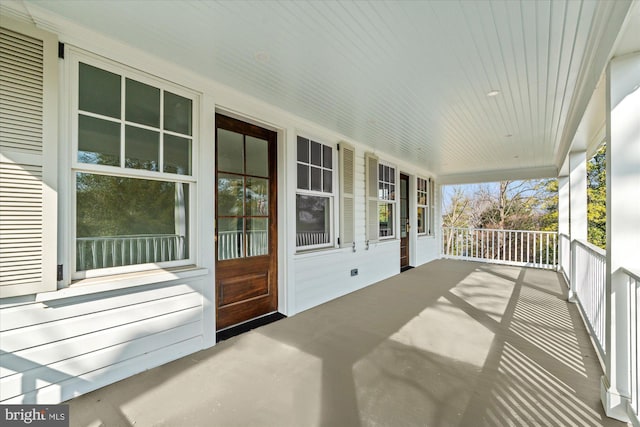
{"type": "Point", "coordinates": [116, 206]}
{"type": "Point", "coordinates": [549, 205]}
{"type": "Point", "coordinates": [597, 199]}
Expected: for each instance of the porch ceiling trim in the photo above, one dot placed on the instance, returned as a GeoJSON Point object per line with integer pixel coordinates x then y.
{"type": "Point", "coordinates": [499, 175]}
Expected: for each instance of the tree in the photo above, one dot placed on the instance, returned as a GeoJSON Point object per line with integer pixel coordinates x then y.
{"type": "Point", "coordinates": [456, 214]}
{"type": "Point", "coordinates": [549, 205]}
{"type": "Point", "coordinates": [597, 199]}
{"type": "Point", "coordinates": [517, 205]}
{"type": "Point", "coordinates": [455, 210]}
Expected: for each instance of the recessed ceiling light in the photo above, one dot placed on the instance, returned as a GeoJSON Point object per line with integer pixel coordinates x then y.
{"type": "Point", "coordinates": [493, 92]}
{"type": "Point", "coordinates": [262, 57]}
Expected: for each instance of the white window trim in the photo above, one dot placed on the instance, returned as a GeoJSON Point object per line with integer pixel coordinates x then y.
{"type": "Point", "coordinates": [425, 206]}
{"type": "Point", "coordinates": [72, 166]}
{"type": "Point", "coordinates": [393, 202]}
{"type": "Point", "coordinates": [331, 196]}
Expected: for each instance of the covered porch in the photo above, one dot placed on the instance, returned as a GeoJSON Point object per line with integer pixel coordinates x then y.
{"type": "Point", "coordinates": [451, 342]}
{"type": "Point", "coordinates": [391, 97]}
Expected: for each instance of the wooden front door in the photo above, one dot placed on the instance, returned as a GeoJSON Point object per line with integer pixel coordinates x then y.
{"type": "Point", "coordinates": [404, 220]}
{"type": "Point", "coordinates": [246, 225]}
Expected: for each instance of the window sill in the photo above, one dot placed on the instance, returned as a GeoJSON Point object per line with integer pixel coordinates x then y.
{"type": "Point", "coordinates": [305, 253]}
{"type": "Point", "coordinates": [122, 281]}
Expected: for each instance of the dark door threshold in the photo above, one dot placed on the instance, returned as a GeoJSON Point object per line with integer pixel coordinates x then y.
{"type": "Point", "coordinates": [405, 268]}
{"type": "Point", "coordinates": [232, 331]}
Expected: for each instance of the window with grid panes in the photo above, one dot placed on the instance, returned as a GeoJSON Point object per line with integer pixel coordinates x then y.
{"type": "Point", "coordinates": [132, 170]}
{"type": "Point", "coordinates": [386, 200]}
{"type": "Point", "coordinates": [314, 195]}
{"type": "Point", "coordinates": [423, 207]}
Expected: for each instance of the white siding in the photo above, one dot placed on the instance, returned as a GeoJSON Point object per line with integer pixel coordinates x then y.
{"type": "Point", "coordinates": [427, 249]}
{"type": "Point", "coordinates": [55, 350]}
{"type": "Point", "coordinates": [325, 275]}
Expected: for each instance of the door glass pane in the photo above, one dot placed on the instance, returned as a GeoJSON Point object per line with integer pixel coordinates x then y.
{"type": "Point", "coordinates": [257, 156]}
{"type": "Point", "coordinates": [142, 103]}
{"type": "Point", "coordinates": [257, 236]}
{"type": "Point", "coordinates": [257, 197]}
{"type": "Point", "coordinates": [177, 155]}
{"type": "Point", "coordinates": [177, 113]}
{"type": "Point", "coordinates": [230, 151]}
{"type": "Point", "coordinates": [98, 141]}
{"type": "Point", "coordinates": [230, 238]}
{"type": "Point", "coordinates": [230, 195]}
{"type": "Point", "coordinates": [142, 148]}
{"type": "Point", "coordinates": [403, 218]}
{"type": "Point", "coordinates": [99, 91]}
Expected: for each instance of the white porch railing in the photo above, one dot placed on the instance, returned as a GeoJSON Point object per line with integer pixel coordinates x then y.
{"type": "Point", "coordinates": [588, 281]}
{"type": "Point", "coordinates": [311, 238]}
{"type": "Point", "coordinates": [231, 244]}
{"type": "Point", "coordinates": [515, 247]}
{"type": "Point", "coordinates": [115, 251]}
{"type": "Point", "coordinates": [633, 281]}
{"type": "Point", "coordinates": [564, 256]}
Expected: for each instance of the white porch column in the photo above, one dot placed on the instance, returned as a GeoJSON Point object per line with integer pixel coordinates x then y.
{"type": "Point", "coordinates": [577, 208]}
{"type": "Point", "coordinates": [563, 225]}
{"type": "Point", "coordinates": [623, 224]}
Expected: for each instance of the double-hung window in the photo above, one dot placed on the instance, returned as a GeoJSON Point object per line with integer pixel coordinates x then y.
{"type": "Point", "coordinates": [432, 207]}
{"type": "Point", "coordinates": [423, 206]}
{"type": "Point", "coordinates": [386, 200]}
{"type": "Point", "coordinates": [133, 142]}
{"type": "Point", "coordinates": [314, 194]}
{"type": "Point", "coordinates": [426, 206]}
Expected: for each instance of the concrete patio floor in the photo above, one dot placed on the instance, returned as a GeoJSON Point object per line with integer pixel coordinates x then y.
{"type": "Point", "coordinates": [450, 343]}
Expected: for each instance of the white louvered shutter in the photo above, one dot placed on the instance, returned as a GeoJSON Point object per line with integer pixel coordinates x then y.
{"type": "Point", "coordinates": [371, 196]}
{"type": "Point", "coordinates": [432, 207]}
{"type": "Point", "coordinates": [347, 189]}
{"type": "Point", "coordinates": [28, 159]}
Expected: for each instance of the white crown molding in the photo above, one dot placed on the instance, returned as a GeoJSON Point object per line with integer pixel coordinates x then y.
{"type": "Point", "coordinates": [15, 9]}
{"type": "Point", "coordinates": [499, 175]}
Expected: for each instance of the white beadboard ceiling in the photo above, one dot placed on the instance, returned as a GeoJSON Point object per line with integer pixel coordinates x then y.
{"type": "Point", "coordinates": [408, 78]}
